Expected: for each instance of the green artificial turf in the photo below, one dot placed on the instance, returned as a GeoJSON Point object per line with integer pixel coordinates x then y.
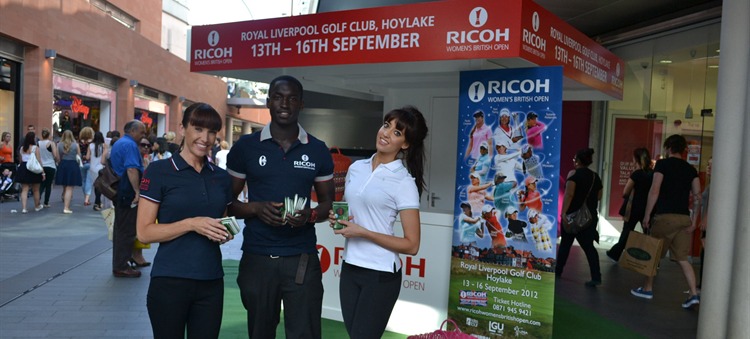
{"type": "Point", "coordinates": [570, 320]}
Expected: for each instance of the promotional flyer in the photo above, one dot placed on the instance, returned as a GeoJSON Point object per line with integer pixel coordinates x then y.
{"type": "Point", "coordinates": [505, 221]}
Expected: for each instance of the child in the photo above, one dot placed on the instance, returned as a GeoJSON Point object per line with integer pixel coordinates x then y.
{"type": "Point", "coordinates": [6, 180]}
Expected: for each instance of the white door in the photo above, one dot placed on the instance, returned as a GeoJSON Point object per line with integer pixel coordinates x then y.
{"type": "Point", "coordinates": [440, 172]}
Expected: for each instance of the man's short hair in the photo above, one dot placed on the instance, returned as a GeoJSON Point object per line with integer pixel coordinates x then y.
{"type": "Point", "coordinates": [286, 78]}
{"type": "Point", "coordinates": [130, 125]}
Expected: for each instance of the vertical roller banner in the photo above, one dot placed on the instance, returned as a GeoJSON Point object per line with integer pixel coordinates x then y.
{"type": "Point", "coordinates": [503, 253]}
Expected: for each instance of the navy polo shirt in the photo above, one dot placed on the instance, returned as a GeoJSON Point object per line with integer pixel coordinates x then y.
{"type": "Point", "coordinates": [271, 175]}
{"type": "Point", "coordinates": [183, 193]}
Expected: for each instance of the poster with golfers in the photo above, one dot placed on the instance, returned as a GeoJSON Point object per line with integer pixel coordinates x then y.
{"type": "Point", "coordinates": [505, 226]}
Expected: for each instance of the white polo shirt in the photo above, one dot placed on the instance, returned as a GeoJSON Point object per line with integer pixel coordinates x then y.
{"type": "Point", "coordinates": [375, 199]}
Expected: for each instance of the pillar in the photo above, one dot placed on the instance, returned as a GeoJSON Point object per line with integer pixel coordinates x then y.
{"type": "Point", "coordinates": [725, 289]}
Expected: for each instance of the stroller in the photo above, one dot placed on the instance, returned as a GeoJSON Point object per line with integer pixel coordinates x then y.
{"type": "Point", "coordinates": [9, 188]}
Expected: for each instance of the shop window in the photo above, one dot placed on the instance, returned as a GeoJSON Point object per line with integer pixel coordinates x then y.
{"type": "Point", "coordinates": [74, 112]}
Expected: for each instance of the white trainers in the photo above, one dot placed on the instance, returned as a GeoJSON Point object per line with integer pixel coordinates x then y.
{"type": "Point", "coordinates": [38, 208]}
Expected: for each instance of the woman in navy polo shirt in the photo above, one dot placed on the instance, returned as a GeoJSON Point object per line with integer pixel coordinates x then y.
{"type": "Point", "coordinates": [187, 194]}
{"type": "Point", "coordinates": [378, 189]}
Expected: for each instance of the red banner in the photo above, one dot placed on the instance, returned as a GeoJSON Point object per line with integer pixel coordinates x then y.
{"type": "Point", "coordinates": [444, 30]}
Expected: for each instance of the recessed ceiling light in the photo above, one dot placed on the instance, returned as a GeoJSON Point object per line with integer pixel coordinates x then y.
{"type": "Point", "coordinates": [713, 66]}
{"type": "Point", "coordinates": [665, 61]}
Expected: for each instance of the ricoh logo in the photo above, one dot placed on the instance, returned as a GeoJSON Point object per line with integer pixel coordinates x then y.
{"type": "Point", "coordinates": [496, 327]}
{"type": "Point", "coordinates": [477, 90]}
{"type": "Point", "coordinates": [477, 19]}
{"type": "Point", "coordinates": [531, 38]}
{"type": "Point", "coordinates": [213, 52]}
{"type": "Point", "coordinates": [305, 163]}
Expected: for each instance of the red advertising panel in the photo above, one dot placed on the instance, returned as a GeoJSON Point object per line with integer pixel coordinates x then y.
{"type": "Point", "coordinates": [630, 134]}
{"type": "Point", "coordinates": [442, 30]}
{"type": "Point", "coordinates": [547, 40]}
{"type": "Point", "coordinates": [419, 32]}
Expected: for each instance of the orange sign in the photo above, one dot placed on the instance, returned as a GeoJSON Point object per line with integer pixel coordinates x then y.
{"type": "Point", "coordinates": [78, 106]}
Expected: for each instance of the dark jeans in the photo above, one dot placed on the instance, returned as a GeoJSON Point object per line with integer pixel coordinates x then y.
{"type": "Point", "coordinates": [123, 235]}
{"type": "Point", "coordinates": [367, 299]}
{"type": "Point", "coordinates": [586, 240]}
{"type": "Point", "coordinates": [175, 304]}
{"type": "Point", "coordinates": [46, 188]}
{"type": "Point", "coordinates": [265, 281]}
{"type": "Point", "coordinates": [97, 197]}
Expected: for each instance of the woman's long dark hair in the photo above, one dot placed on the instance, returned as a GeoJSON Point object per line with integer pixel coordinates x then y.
{"type": "Point", "coordinates": [98, 144]}
{"type": "Point", "coordinates": [412, 123]}
{"type": "Point", "coordinates": [28, 141]}
{"type": "Point", "coordinates": [162, 142]}
{"type": "Point", "coordinates": [200, 114]}
{"type": "Point", "coordinates": [643, 157]}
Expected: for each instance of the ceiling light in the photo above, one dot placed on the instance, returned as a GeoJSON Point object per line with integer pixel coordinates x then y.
{"type": "Point", "coordinates": [665, 61]}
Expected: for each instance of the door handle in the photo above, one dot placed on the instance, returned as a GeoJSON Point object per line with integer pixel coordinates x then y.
{"type": "Point", "coordinates": [433, 197]}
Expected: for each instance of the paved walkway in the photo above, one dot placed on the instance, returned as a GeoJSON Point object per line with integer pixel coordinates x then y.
{"type": "Point", "coordinates": [56, 282]}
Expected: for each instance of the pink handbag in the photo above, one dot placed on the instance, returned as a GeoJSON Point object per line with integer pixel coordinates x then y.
{"type": "Point", "coordinates": [444, 334]}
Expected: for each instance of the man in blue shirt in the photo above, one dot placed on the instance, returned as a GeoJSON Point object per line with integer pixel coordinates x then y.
{"type": "Point", "coordinates": [128, 165]}
{"type": "Point", "coordinates": [279, 260]}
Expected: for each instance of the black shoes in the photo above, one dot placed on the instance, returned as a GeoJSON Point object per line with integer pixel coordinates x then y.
{"type": "Point", "coordinates": [134, 263]}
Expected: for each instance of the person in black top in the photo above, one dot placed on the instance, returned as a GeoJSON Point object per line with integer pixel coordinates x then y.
{"type": "Point", "coordinates": [188, 195]}
{"type": "Point", "coordinates": [668, 202]}
{"type": "Point", "coordinates": [636, 190]}
{"type": "Point", "coordinates": [582, 186]}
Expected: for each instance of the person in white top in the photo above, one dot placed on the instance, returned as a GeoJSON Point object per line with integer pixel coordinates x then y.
{"type": "Point", "coordinates": [379, 189]}
{"type": "Point", "coordinates": [27, 178]}
{"type": "Point", "coordinates": [221, 156]}
{"type": "Point", "coordinates": [48, 153]}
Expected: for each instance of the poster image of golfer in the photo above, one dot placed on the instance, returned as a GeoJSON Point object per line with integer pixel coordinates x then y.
{"type": "Point", "coordinates": [505, 226]}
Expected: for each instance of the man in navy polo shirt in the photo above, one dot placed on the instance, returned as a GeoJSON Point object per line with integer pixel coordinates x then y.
{"type": "Point", "coordinates": [128, 165]}
{"type": "Point", "coordinates": [279, 260]}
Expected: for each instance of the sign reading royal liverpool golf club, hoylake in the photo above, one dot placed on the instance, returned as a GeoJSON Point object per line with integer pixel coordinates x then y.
{"type": "Point", "coordinates": [505, 225]}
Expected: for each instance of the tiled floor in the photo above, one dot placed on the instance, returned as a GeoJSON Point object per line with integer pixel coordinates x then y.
{"type": "Point", "coordinates": [56, 282]}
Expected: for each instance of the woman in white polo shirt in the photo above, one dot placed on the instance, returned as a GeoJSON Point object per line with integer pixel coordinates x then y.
{"type": "Point", "coordinates": [378, 189]}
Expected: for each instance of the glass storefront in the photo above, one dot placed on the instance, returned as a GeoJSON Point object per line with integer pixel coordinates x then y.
{"type": "Point", "coordinates": [9, 90]}
{"type": "Point", "coordinates": [670, 88]}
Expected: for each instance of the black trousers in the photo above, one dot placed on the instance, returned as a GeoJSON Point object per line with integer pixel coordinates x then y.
{"type": "Point", "coordinates": [46, 187]}
{"type": "Point", "coordinates": [123, 235]}
{"type": "Point", "coordinates": [627, 227]}
{"type": "Point", "coordinates": [177, 304]}
{"type": "Point", "coordinates": [367, 299]}
{"type": "Point", "coordinates": [586, 240]}
{"type": "Point", "coordinates": [265, 281]}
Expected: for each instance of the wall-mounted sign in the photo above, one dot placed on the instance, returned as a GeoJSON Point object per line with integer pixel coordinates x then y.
{"type": "Point", "coordinates": [442, 30]}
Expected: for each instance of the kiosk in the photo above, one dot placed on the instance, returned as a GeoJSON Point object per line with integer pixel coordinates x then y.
{"type": "Point", "coordinates": [410, 55]}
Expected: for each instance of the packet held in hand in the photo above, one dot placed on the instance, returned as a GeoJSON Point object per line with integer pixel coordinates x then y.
{"type": "Point", "coordinates": [231, 224]}
{"type": "Point", "coordinates": [340, 212]}
{"type": "Point", "coordinates": [292, 206]}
